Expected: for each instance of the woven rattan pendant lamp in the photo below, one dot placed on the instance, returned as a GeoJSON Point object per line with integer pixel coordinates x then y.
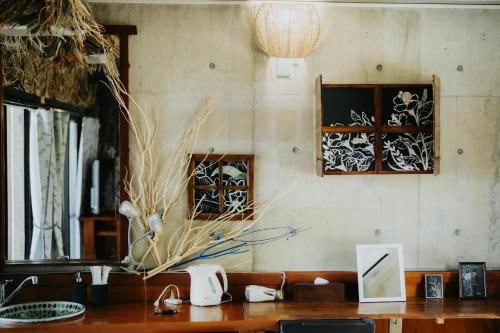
{"type": "Point", "coordinates": [286, 30]}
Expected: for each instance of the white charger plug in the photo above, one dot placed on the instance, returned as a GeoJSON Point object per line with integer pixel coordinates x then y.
{"type": "Point", "coordinates": [171, 300]}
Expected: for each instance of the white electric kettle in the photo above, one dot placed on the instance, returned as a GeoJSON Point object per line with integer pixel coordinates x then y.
{"type": "Point", "coordinates": [205, 286]}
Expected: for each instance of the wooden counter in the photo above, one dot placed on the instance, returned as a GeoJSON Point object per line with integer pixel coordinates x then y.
{"type": "Point", "coordinates": [138, 317]}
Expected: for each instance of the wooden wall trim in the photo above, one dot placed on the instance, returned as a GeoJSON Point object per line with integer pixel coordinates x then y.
{"type": "Point", "coordinates": [113, 29]}
{"type": "Point", "coordinates": [436, 84]}
{"type": "Point", "coordinates": [318, 135]}
{"type": "Point", "coordinates": [3, 173]}
{"type": "Point", "coordinates": [123, 32]}
{"type": "Point", "coordinates": [124, 140]}
{"type": "Point", "coordinates": [126, 287]}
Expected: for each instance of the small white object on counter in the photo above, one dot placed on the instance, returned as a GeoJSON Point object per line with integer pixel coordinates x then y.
{"type": "Point", "coordinates": [100, 274]}
{"type": "Point", "coordinates": [320, 281]}
{"type": "Point", "coordinates": [255, 293]}
{"type": "Point", "coordinates": [96, 272]}
{"type": "Point", "coordinates": [105, 274]}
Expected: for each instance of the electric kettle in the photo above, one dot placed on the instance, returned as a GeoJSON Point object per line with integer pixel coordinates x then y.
{"type": "Point", "coordinates": [205, 286]}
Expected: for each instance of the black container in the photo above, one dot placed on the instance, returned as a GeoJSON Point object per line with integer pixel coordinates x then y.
{"type": "Point", "coordinates": [98, 294]}
{"type": "Point", "coordinates": [79, 290]}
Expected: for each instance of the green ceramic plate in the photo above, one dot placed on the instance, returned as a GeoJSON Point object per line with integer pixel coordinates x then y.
{"type": "Point", "coordinates": [38, 312]}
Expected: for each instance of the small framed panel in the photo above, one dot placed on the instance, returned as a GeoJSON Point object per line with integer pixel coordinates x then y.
{"type": "Point", "coordinates": [221, 184]}
{"type": "Point", "coordinates": [376, 128]}
{"type": "Point", "coordinates": [407, 105]}
{"type": "Point", "coordinates": [472, 279]}
{"type": "Point", "coordinates": [407, 152]}
{"type": "Point", "coordinates": [348, 152]}
{"type": "Point", "coordinates": [434, 286]}
{"type": "Point", "coordinates": [348, 106]}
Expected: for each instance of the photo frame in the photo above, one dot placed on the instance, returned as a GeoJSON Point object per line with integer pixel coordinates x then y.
{"type": "Point", "coordinates": [472, 279]}
{"type": "Point", "coordinates": [434, 286]}
{"type": "Point", "coordinates": [381, 276]}
{"type": "Point", "coordinates": [221, 183]}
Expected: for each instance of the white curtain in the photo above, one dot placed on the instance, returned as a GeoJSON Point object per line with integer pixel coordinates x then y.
{"type": "Point", "coordinates": [74, 226]}
{"type": "Point", "coordinates": [78, 167]}
{"type": "Point", "coordinates": [47, 145]}
{"type": "Point", "coordinates": [15, 182]}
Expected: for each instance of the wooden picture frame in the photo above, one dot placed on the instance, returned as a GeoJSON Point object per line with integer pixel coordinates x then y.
{"type": "Point", "coordinates": [235, 187]}
{"type": "Point", "coordinates": [123, 33]}
{"type": "Point", "coordinates": [376, 141]}
{"type": "Point", "coordinates": [472, 280]}
{"type": "Point", "coordinates": [434, 287]}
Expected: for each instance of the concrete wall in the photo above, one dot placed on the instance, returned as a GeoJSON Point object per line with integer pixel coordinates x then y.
{"type": "Point", "coordinates": [440, 220]}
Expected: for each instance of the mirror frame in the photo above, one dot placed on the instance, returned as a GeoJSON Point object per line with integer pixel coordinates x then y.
{"type": "Point", "coordinates": [122, 32]}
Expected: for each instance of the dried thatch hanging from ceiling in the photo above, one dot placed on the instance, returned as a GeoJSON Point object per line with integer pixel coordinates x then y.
{"type": "Point", "coordinates": [43, 39]}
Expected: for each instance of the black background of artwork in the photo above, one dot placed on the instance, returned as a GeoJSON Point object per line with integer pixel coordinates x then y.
{"type": "Point", "coordinates": [337, 104]}
{"type": "Point", "coordinates": [388, 93]}
{"type": "Point", "coordinates": [207, 206]}
{"type": "Point", "coordinates": [209, 168]}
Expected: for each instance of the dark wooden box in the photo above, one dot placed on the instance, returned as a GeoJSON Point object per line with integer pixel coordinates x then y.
{"type": "Point", "coordinates": [308, 291]}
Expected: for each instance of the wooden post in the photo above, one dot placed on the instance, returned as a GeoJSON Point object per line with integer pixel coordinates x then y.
{"type": "Point", "coordinates": [318, 133]}
{"type": "Point", "coordinates": [124, 140]}
{"type": "Point", "coordinates": [3, 172]}
{"type": "Point", "coordinates": [436, 86]}
{"type": "Point", "coordinates": [395, 325]}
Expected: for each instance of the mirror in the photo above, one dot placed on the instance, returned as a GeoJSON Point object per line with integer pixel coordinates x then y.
{"type": "Point", "coordinates": [64, 163]}
{"type": "Point", "coordinates": [380, 273]}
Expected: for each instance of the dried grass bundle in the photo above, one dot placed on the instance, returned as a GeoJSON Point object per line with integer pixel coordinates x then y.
{"type": "Point", "coordinates": [61, 34]}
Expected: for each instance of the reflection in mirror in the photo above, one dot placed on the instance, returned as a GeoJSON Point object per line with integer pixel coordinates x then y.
{"type": "Point", "coordinates": [380, 273]}
{"type": "Point", "coordinates": [63, 165]}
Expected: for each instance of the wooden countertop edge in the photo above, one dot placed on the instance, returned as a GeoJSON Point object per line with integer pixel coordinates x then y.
{"type": "Point", "coordinates": [150, 327]}
{"type": "Point", "coordinates": [255, 316]}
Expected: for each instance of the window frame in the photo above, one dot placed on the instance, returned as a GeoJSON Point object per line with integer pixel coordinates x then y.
{"type": "Point", "coordinates": [378, 129]}
{"type": "Point", "coordinates": [220, 159]}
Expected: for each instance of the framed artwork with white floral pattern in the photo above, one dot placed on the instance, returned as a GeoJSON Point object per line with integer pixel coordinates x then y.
{"type": "Point", "coordinates": [377, 128]}
{"type": "Point", "coordinates": [221, 184]}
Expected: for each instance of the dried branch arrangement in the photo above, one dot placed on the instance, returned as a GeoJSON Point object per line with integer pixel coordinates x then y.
{"type": "Point", "coordinates": [156, 188]}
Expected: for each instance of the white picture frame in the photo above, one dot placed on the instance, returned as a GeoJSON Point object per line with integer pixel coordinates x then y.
{"type": "Point", "coordinates": [381, 276]}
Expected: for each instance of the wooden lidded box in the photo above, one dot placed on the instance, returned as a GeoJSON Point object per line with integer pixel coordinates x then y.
{"type": "Point", "coordinates": [308, 291]}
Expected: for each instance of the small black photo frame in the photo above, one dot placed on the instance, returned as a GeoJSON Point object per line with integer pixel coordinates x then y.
{"type": "Point", "coordinates": [472, 279]}
{"type": "Point", "coordinates": [434, 286]}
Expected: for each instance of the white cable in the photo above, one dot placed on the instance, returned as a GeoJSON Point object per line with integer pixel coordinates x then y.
{"type": "Point", "coordinates": [157, 302]}
{"type": "Point", "coordinates": [228, 300]}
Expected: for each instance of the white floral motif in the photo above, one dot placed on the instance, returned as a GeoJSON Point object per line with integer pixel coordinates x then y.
{"type": "Point", "coordinates": [348, 151]}
{"type": "Point", "coordinates": [408, 152]}
{"type": "Point", "coordinates": [358, 120]}
{"type": "Point", "coordinates": [410, 109]}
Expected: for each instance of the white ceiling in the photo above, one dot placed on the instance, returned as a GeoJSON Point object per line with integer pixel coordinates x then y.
{"type": "Point", "coordinates": [425, 3]}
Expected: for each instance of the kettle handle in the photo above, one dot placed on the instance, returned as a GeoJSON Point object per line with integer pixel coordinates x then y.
{"type": "Point", "coordinates": [224, 277]}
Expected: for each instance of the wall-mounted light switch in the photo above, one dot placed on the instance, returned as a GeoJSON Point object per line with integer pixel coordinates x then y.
{"type": "Point", "coordinates": [283, 67]}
